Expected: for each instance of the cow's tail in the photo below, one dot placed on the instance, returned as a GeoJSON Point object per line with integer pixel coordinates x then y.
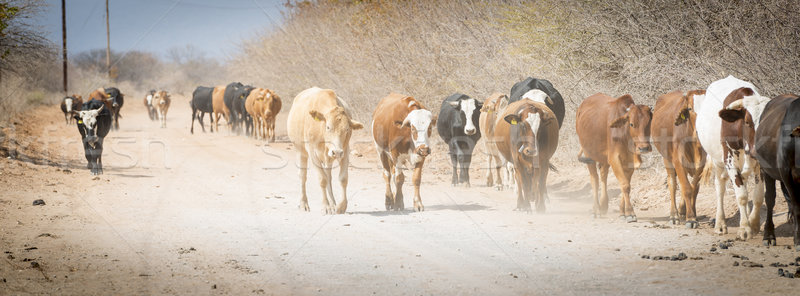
{"type": "Point", "coordinates": [707, 175]}
{"type": "Point", "coordinates": [552, 168]}
{"type": "Point", "coordinates": [584, 159]}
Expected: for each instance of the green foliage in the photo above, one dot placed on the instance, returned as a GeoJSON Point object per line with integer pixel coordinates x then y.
{"type": "Point", "coordinates": [7, 14]}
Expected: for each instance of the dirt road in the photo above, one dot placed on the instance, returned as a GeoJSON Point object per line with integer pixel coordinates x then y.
{"type": "Point", "coordinates": [207, 213]}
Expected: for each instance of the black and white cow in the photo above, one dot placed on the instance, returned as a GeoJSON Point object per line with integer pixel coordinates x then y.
{"type": "Point", "coordinates": [553, 100]}
{"type": "Point", "coordinates": [117, 99]}
{"type": "Point", "coordinates": [94, 122]}
{"type": "Point", "coordinates": [148, 103]}
{"type": "Point", "coordinates": [202, 102]}
{"type": "Point", "coordinates": [71, 105]}
{"type": "Point", "coordinates": [458, 127]}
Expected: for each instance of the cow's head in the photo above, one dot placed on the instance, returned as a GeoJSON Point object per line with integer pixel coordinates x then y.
{"type": "Point", "coordinates": [636, 122]}
{"type": "Point", "coordinates": [525, 131]}
{"type": "Point", "coordinates": [494, 103]}
{"type": "Point", "coordinates": [161, 97]}
{"type": "Point", "coordinates": [742, 116]}
{"type": "Point", "coordinates": [68, 104]}
{"type": "Point", "coordinates": [88, 118]}
{"type": "Point", "coordinates": [420, 121]}
{"type": "Point", "coordinates": [466, 117]}
{"type": "Point", "coordinates": [338, 128]}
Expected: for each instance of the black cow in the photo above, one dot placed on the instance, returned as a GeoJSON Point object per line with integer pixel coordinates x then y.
{"type": "Point", "coordinates": [777, 140]}
{"type": "Point", "coordinates": [94, 121]}
{"type": "Point", "coordinates": [117, 100]}
{"type": "Point", "coordinates": [202, 102]}
{"type": "Point", "coordinates": [556, 102]}
{"type": "Point", "coordinates": [458, 127]}
{"type": "Point", "coordinates": [235, 92]}
{"type": "Point", "coordinates": [238, 105]}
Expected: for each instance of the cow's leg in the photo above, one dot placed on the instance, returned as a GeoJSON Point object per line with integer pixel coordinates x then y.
{"type": "Point", "coordinates": [540, 187]}
{"type": "Point", "coordinates": [603, 191]}
{"type": "Point", "coordinates": [465, 160]}
{"type": "Point", "coordinates": [673, 209]}
{"type": "Point", "coordinates": [690, 197]}
{"type": "Point", "coordinates": [758, 201]}
{"type": "Point", "coordinates": [454, 163]}
{"type": "Point", "coordinates": [194, 114]}
{"type": "Point", "coordinates": [489, 167]}
{"type": "Point", "coordinates": [594, 178]}
{"type": "Point", "coordinates": [740, 189]}
{"type": "Point", "coordinates": [769, 197]}
{"type": "Point", "coordinates": [522, 190]}
{"type": "Point", "coordinates": [498, 168]}
{"type": "Point", "coordinates": [302, 163]}
{"type": "Point", "coordinates": [344, 164]}
{"type": "Point", "coordinates": [623, 174]}
{"type": "Point", "coordinates": [417, 180]}
{"type": "Point", "coordinates": [399, 178]}
{"type": "Point", "coordinates": [327, 186]}
{"type": "Point", "coordinates": [387, 177]}
{"type": "Point", "coordinates": [720, 177]}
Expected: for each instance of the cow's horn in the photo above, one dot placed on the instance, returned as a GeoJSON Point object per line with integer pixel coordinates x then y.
{"type": "Point", "coordinates": [735, 105]}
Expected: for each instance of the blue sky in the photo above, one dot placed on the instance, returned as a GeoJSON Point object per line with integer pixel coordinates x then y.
{"type": "Point", "coordinates": [214, 27]}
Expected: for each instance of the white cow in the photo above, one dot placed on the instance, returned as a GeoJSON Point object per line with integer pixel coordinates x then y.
{"type": "Point", "coordinates": [737, 165]}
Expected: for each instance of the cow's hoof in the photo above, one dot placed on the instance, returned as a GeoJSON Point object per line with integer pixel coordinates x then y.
{"type": "Point", "coordinates": [720, 227]}
{"type": "Point", "coordinates": [674, 221]}
{"type": "Point", "coordinates": [744, 233]}
{"type": "Point", "coordinates": [622, 217]}
{"type": "Point", "coordinates": [419, 207]}
{"type": "Point", "coordinates": [630, 219]}
{"type": "Point", "coordinates": [388, 207]}
{"type": "Point", "coordinates": [304, 207]}
{"type": "Point", "coordinates": [770, 242]}
{"type": "Point", "coordinates": [692, 224]}
{"type": "Point", "coordinates": [797, 248]}
{"type": "Point", "coordinates": [341, 208]}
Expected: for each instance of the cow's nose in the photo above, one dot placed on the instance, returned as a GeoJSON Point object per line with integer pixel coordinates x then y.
{"type": "Point", "coordinates": [527, 151]}
{"type": "Point", "coordinates": [645, 149]}
{"type": "Point", "coordinates": [423, 151]}
{"type": "Point", "coordinates": [114, 105]}
{"type": "Point", "coordinates": [470, 131]}
{"type": "Point", "coordinates": [335, 153]}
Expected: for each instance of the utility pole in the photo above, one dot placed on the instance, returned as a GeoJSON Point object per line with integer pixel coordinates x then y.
{"type": "Point", "coordinates": [64, 41]}
{"type": "Point", "coordinates": [108, 45]}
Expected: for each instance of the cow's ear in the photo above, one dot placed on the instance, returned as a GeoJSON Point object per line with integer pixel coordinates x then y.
{"type": "Point", "coordinates": [512, 119]}
{"type": "Point", "coordinates": [398, 124]}
{"type": "Point", "coordinates": [486, 107]}
{"type": "Point", "coordinates": [355, 125]}
{"type": "Point", "coordinates": [316, 115]}
{"type": "Point", "coordinates": [454, 104]}
{"type": "Point", "coordinates": [683, 117]}
{"type": "Point", "coordinates": [433, 120]}
{"type": "Point", "coordinates": [549, 100]}
{"type": "Point", "coordinates": [619, 122]}
{"type": "Point", "coordinates": [731, 115]}
{"type": "Point", "coordinates": [796, 132]}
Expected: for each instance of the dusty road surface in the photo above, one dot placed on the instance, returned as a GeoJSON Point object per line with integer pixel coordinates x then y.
{"type": "Point", "coordinates": [209, 214]}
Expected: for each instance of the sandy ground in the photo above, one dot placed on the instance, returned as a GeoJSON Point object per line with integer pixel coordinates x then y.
{"type": "Point", "coordinates": [207, 213]}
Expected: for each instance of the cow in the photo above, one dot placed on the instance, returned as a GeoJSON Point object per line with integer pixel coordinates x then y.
{"type": "Point", "coordinates": [493, 105]}
{"type": "Point", "coordinates": [161, 101]}
{"type": "Point", "coordinates": [319, 126]}
{"type": "Point", "coordinates": [728, 145]}
{"type": "Point", "coordinates": [148, 103]}
{"type": "Point", "coordinates": [201, 102]}
{"type": "Point", "coordinates": [70, 105]}
{"type": "Point", "coordinates": [93, 122]}
{"type": "Point", "coordinates": [218, 105]}
{"type": "Point", "coordinates": [244, 117]}
{"type": "Point", "coordinates": [401, 127]}
{"type": "Point", "coordinates": [234, 98]}
{"type": "Point", "coordinates": [674, 135]}
{"type": "Point", "coordinates": [777, 138]}
{"type": "Point", "coordinates": [263, 106]}
{"type": "Point", "coordinates": [527, 134]}
{"type": "Point", "coordinates": [555, 102]}
{"type": "Point", "coordinates": [117, 100]}
{"type": "Point", "coordinates": [459, 128]}
{"type": "Point", "coordinates": [613, 132]}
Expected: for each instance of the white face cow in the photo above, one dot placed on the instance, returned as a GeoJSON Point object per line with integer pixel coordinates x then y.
{"type": "Point", "coordinates": [89, 120]}
{"type": "Point", "coordinates": [466, 107]}
{"type": "Point", "coordinates": [68, 103]}
{"type": "Point", "coordinates": [420, 121]}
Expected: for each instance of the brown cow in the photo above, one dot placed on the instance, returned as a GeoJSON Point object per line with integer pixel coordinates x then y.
{"type": "Point", "coordinates": [401, 127]}
{"type": "Point", "coordinates": [492, 106]}
{"type": "Point", "coordinates": [612, 132]}
{"type": "Point", "coordinates": [320, 126]}
{"type": "Point", "coordinates": [218, 103]}
{"type": "Point", "coordinates": [263, 106]}
{"type": "Point", "coordinates": [70, 105]}
{"type": "Point", "coordinates": [527, 135]}
{"type": "Point", "coordinates": [100, 95]}
{"type": "Point", "coordinates": [675, 137]}
{"type": "Point", "coordinates": [161, 101]}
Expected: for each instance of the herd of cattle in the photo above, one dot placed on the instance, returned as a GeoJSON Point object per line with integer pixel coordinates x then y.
{"type": "Point", "coordinates": [742, 134]}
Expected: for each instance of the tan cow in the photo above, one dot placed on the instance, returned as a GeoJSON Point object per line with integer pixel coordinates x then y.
{"type": "Point", "coordinates": [527, 136]}
{"type": "Point", "coordinates": [401, 127]}
{"type": "Point", "coordinates": [675, 137]}
{"type": "Point", "coordinates": [263, 105]}
{"type": "Point", "coordinates": [218, 103]}
{"type": "Point", "coordinates": [320, 127]}
{"type": "Point", "coordinates": [492, 107]}
{"type": "Point", "coordinates": [612, 132]}
{"type": "Point", "coordinates": [161, 101]}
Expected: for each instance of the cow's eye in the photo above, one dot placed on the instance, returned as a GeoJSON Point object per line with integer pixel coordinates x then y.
{"type": "Point", "coordinates": [631, 124]}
